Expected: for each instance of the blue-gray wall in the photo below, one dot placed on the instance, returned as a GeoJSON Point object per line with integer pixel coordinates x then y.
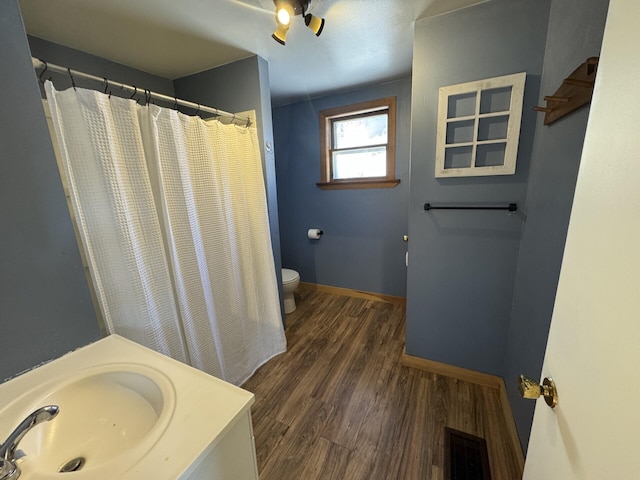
{"type": "Point", "coordinates": [462, 264]}
{"type": "Point", "coordinates": [237, 87]}
{"type": "Point", "coordinates": [45, 306]}
{"type": "Point", "coordinates": [84, 62]}
{"type": "Point", "coordinates": [574, 34]}
{"type": "Point", "coordinates": [362, 245]}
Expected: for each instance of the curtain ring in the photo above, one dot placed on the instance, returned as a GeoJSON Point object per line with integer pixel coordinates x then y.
{"type": "Point", "coordinates": [46, 67]}
{"type": "Point", "coordinates": [106, 84]}
{"type": "Point", "coordinates": [175, 103]}
{"type": "Point", "coordinates": [135, 92]}
{"type": "Point", "coordinates": [198, 111]}
{"type": "Point", "coordinates": [73, 83]}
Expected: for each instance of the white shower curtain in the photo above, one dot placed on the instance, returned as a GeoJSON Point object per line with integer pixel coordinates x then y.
{"type": "Point", "coordinates": [172, 213]}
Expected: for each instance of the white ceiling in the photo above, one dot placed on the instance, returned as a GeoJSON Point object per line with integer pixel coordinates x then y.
{"type": "Point", "coordinates": [363, 42]}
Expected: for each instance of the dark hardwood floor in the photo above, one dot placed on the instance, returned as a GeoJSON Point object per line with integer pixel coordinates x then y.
{"type": "Point", "coordinates": [340, 405]}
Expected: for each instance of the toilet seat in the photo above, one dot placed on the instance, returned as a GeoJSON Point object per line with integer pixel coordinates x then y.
{"type": "Point", "coordinates": [289, 276]}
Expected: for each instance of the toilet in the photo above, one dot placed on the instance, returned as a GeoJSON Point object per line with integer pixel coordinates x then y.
{"type": "Point", "coordinates": [290, 281]}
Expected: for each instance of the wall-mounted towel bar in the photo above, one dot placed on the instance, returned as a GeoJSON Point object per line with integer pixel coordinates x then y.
{"type": "Point", "coordinates": [512, 207]}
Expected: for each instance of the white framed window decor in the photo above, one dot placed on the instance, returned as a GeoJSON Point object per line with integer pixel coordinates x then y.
{"type": "Point", "coordinates": [479, 127]}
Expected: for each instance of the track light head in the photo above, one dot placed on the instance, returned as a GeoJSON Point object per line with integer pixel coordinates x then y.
{"type": "Point", "coordinates": [284, 14]}
{"type": "Point", "coordinates": [280, 35]}
{"type": "Point", "coordinates": [316, 24]}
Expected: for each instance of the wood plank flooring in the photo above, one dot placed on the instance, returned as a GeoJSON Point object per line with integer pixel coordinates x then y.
{"type": "Point", "coordinates": [339, 404]}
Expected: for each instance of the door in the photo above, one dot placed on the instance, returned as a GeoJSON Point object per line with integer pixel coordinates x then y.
{"type": "Point", "coordinates": [593, 352]}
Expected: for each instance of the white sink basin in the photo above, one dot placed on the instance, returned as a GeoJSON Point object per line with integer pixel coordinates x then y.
{"type": "Point", "coordinates": [108, 414]}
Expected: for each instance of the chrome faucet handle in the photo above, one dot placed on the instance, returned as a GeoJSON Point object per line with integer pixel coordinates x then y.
{"type": "Point", "coordinates": [8, 468]}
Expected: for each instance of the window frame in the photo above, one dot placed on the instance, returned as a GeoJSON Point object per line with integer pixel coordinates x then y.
{"type": "Point", "coordinates": [329, 116]}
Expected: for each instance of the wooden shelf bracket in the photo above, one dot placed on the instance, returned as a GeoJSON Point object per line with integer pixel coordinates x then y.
{"type": "Point", "coordinates": [575, 92]}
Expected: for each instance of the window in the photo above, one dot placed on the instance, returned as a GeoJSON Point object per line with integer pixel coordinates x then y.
{"type": "Point", "coordinates": [358, 145]}
{"type": "Point", "coordinates": [479, 127]}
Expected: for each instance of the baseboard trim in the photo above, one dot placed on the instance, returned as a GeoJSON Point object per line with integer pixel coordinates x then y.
{"type": "Point", "coordinates": [472, 376]}
{"type": "Point", "coordinates": [511, 425]}
{"type": "Point", "coordinates": [379, 297]}
{"type": "Point", "coordinates": [478, 378]}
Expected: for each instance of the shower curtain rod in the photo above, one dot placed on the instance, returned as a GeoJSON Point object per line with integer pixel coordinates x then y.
{"type": "Point", "coordinates": [46, 66]}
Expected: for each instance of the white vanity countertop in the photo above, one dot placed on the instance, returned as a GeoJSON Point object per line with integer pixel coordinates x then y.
{"type": "Point", "coordinates": [205, 407]}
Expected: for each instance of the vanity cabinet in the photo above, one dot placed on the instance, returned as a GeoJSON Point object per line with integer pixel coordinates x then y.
{"type": "Point", "coordinates": [233, 457]}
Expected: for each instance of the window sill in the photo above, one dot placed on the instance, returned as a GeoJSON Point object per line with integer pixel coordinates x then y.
{"type": "Point", "coordinates": [353, 184]}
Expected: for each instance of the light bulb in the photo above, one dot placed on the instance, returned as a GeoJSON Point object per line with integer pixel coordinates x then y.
{"type": "Point", "coordinates": [283, 16]}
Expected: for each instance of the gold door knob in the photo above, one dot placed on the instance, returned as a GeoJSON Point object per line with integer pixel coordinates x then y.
{"type": "Point", "coordinates": [529, 388]}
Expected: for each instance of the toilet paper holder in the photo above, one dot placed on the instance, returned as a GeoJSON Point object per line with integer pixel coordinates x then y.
{"type": "Point", "coordinates": [314, 233]}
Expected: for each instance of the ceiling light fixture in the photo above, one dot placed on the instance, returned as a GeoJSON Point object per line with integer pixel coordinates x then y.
{"type": "Point", "coordinates": [286, 10]}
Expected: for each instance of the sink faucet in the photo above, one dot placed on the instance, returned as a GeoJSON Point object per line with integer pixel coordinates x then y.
{"type": "Point", "coordinates": [8, 468]}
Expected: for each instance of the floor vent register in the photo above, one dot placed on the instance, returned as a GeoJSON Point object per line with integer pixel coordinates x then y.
{"type": "Point", "coordinates": [466, 456]}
